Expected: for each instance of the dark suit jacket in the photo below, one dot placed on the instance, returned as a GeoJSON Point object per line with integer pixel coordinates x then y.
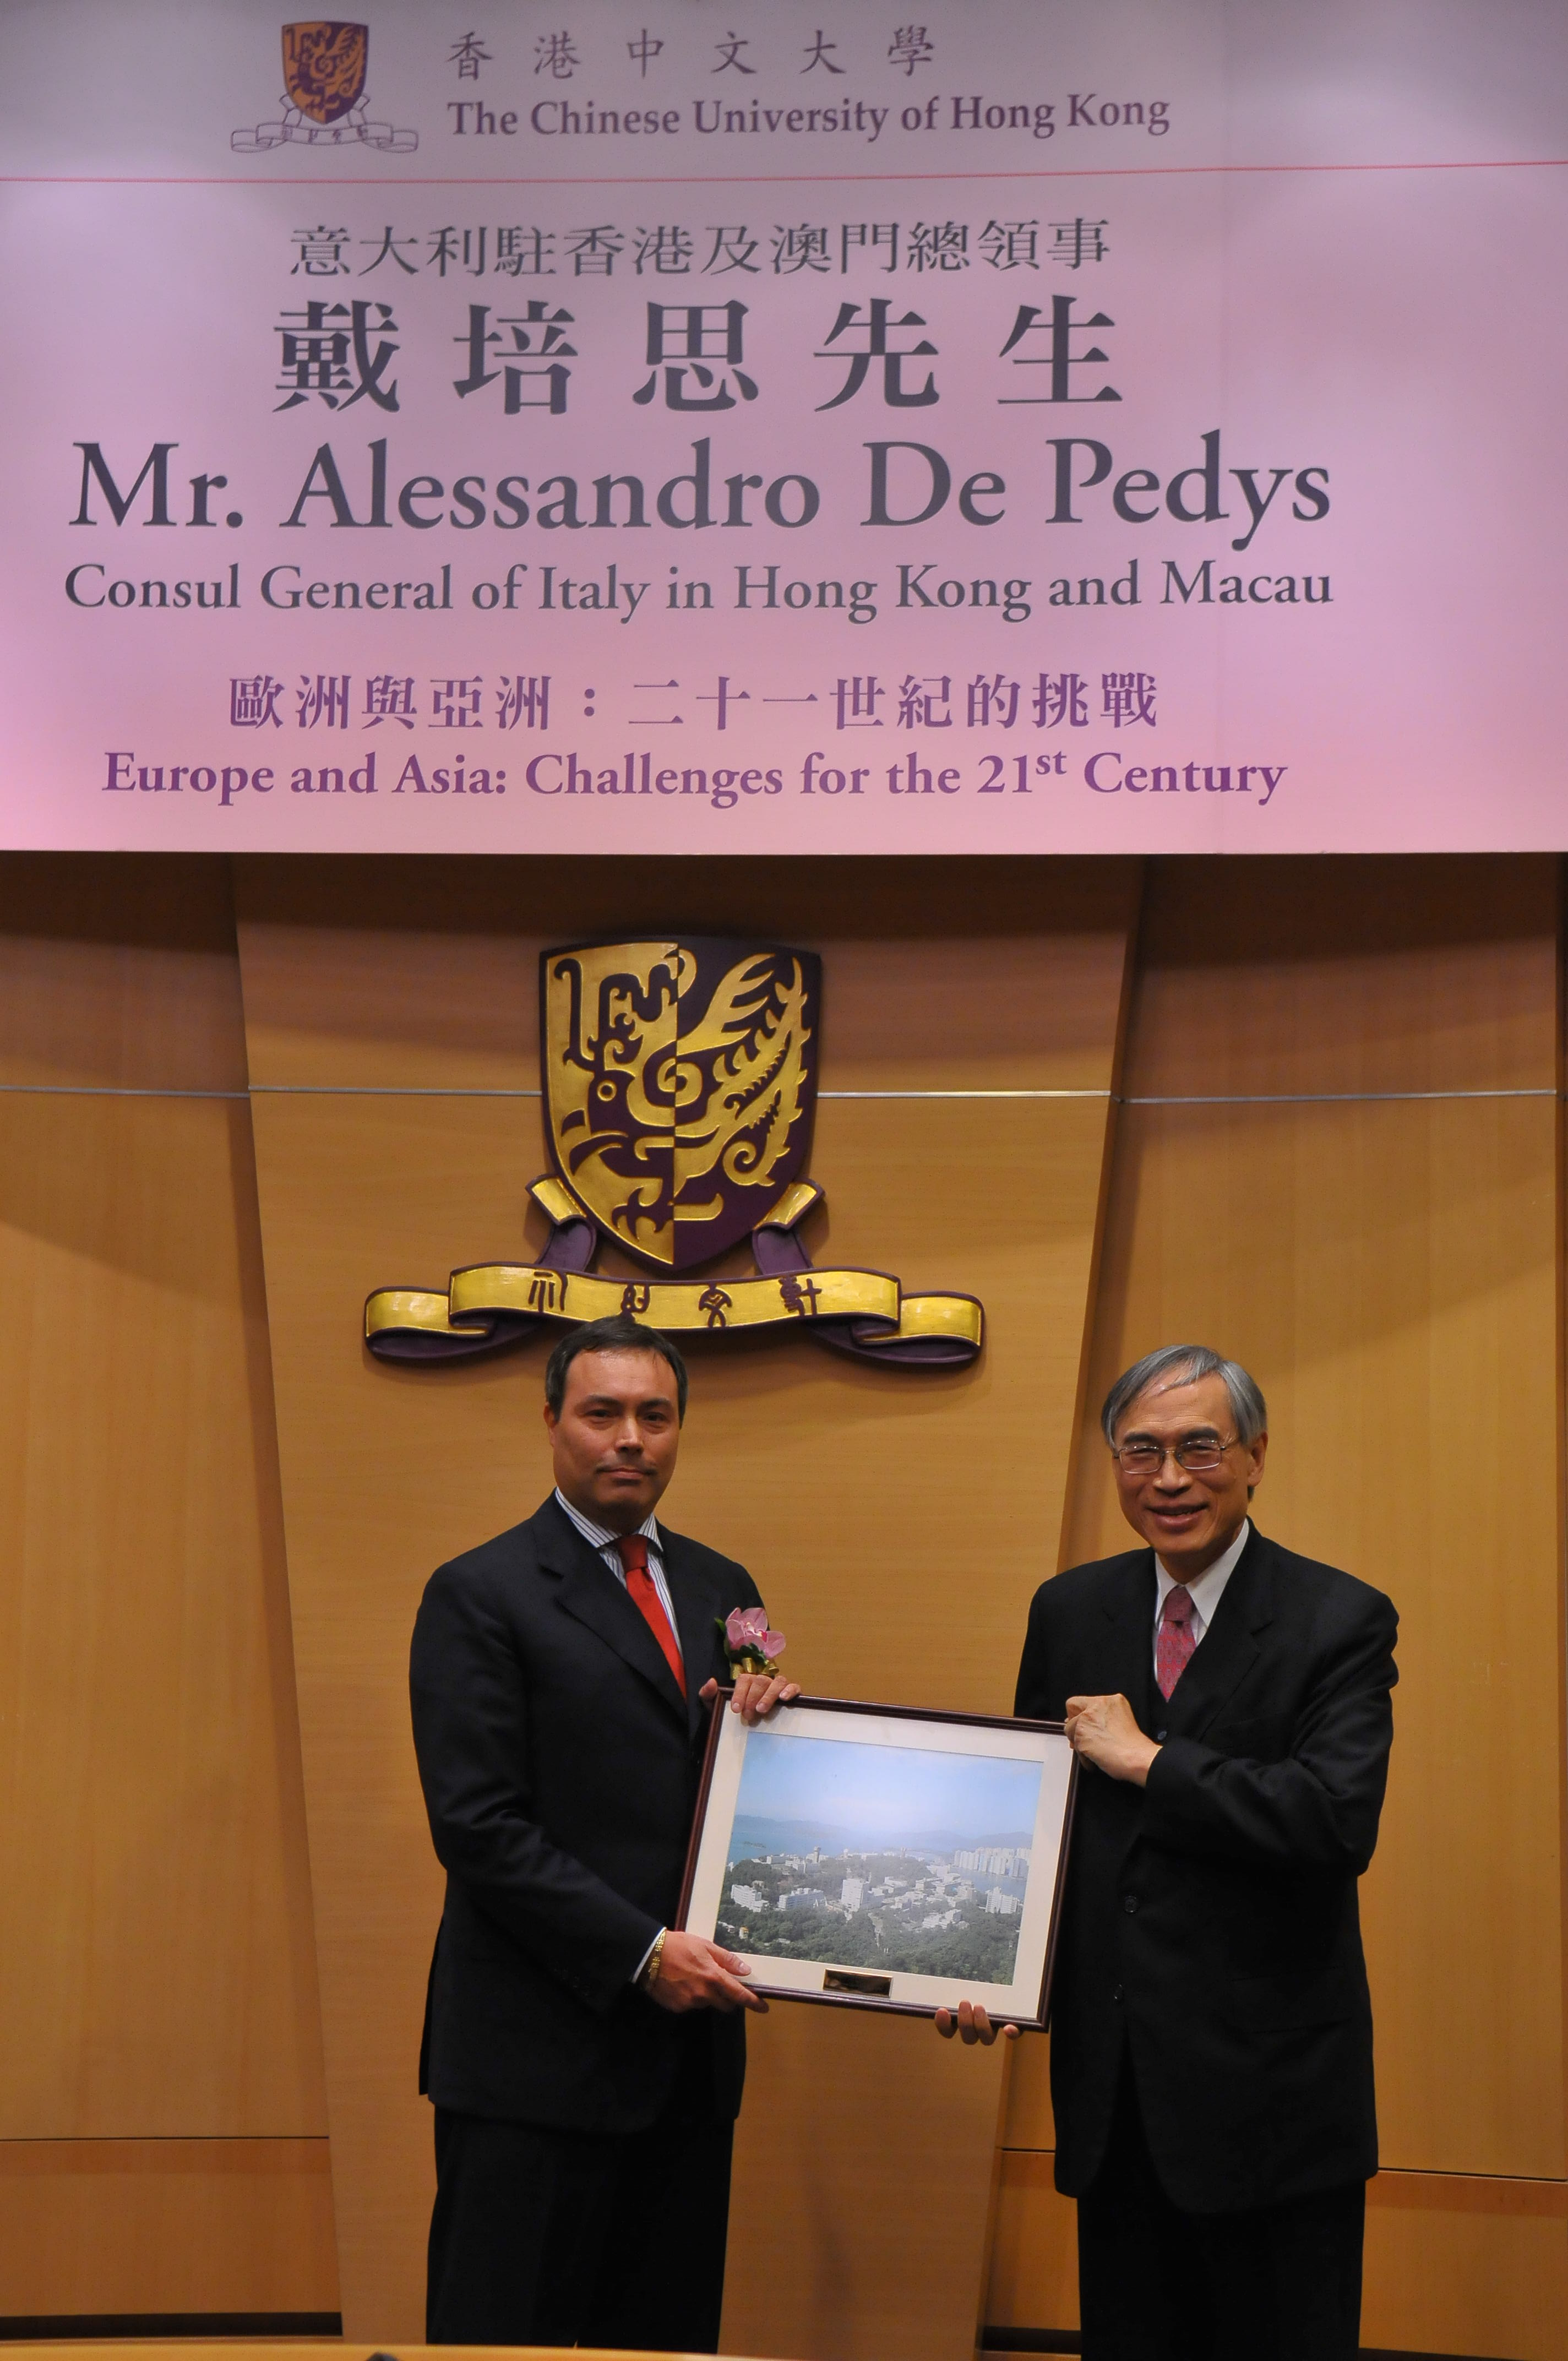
{"type": "Point", "coordinates": [560, 1765]}
{"type": "Point", "coordinates": [1210, 1919]}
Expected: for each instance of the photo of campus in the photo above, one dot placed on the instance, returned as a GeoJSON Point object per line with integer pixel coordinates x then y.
{"type": "Point", "coordinates": [897, 1858]}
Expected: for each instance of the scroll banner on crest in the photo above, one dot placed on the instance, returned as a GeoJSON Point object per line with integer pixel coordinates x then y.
{"type": "Point", "coordinates": [629, 428]}
{"type": "Point", "coordinates": [490, 1306]}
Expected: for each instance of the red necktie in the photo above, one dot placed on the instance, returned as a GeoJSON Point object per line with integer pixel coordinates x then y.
{"type": "Point", "coordinates": [632, 1550]}
{"type": "Point", "coordinates": [1174, 1642]}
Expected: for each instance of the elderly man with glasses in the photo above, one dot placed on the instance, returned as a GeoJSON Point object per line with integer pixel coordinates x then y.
{"type": "Point", "coordinates": [1211, 2030]}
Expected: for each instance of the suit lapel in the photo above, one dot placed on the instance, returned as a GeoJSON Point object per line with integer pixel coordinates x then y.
{"type": "Point", "coordinates": [1229, 1648]}
{"type": "Point", "coordinates": [695, 1610]}
{"type": "Point", "coordinates": [1130, 1611]}
{"type": "Point", "coordinates": [590, 1593]}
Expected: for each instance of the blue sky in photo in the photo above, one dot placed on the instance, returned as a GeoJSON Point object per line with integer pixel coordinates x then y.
{"type": "Point", "coordinates": [884, 1790]}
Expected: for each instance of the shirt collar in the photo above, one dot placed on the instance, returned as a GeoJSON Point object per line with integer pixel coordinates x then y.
{"type": "Point", "coordinates": [599, 1537]}
{"type": "Point", "coordinates": [1208, 1590]}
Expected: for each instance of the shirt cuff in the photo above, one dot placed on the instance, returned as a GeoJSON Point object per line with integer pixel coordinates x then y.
{"type": "Point", "coordinates": [637, 1971]}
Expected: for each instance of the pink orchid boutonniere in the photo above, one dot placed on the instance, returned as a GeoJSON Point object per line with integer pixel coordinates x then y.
{"type": "Point", "coordinates": [747, 1643]}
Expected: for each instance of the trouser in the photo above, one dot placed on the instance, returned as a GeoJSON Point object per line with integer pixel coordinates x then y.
{"type": "Point", "coordinates": [559, 2237]}
{"type": "Point", "coordinates": [1274, 2283]}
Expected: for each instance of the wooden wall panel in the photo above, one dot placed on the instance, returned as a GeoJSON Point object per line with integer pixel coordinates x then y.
{"type": "Point", "coordinates": [1454, 2264]}
{"type": "Point", "coordinates": [1412, 973]}
{"type": "Point", "coordinates": [165, 2225]}
{"type": "Point", "coordinates": [156, 1969]}
{"type": "Point", "coordinates": [155, 1973]}
{"type": "Point", "coordinates": [1388, 1268]}
{"type": "Point", "coordinates": [409, 975]}
{"type": "Point", "coordinates": [882, 1513]}
{"type": "Point", "coordinates": [1034, 2254]}
{"type": "Point", "coordinates": [117, 970]}
{"type": "Point", "coordinates": [1465, 2265]}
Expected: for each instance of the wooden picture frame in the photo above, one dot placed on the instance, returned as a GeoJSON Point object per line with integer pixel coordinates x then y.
{"type": "Point", "coordinates": [877, 1856]}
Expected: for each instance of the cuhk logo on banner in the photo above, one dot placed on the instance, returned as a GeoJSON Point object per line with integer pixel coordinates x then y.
{"type": "Point", "coordinates": [324, 64]}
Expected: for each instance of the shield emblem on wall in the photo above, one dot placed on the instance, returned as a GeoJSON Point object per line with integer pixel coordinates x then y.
{"type": "Point", "coordinates": [679, 1079]}
{"type": "Point", "coordinates": [323, 67]}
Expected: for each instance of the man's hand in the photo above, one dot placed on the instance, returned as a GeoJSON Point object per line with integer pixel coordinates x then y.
{"type": "Point", "coordinates": [756, 1695]}
{"type": "Point", "coordinates": [694, 1973]}
{"type": "Point", "coordinates": [1105, 1730]}
{"type": "Point", "coordinates": [972, 2024]}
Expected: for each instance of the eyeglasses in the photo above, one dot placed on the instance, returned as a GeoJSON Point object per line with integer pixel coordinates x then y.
{"type": "Point", "coordinates": [1193, 1454]}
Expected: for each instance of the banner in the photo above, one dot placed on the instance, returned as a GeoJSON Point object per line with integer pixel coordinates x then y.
{"type": "Point", "coordinates": [490, 1307]}
{"type": "Point", "coordinates": [649, 427]}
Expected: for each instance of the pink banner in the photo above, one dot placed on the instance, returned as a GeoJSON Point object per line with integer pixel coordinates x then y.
{"type": "Point", "coordinates": [642, 429]}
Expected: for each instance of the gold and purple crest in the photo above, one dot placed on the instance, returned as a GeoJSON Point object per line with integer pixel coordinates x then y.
{"type": "Point", "coordinates": [324, 62]}
{"type": "Point", "coordinates": [679, 1078]}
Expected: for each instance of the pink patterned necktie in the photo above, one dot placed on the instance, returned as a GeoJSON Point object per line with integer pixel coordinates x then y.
{"type": "Point", "coordinates": [1174, 1643]}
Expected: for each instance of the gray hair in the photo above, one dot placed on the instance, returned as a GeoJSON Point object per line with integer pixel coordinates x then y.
{"type": "Point", "coordinates": [1182, 1365]}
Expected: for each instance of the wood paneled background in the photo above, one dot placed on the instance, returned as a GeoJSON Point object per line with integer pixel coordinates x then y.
{"type": "Point", "coordinates": [162, 2111]}
{"type": "Point", "coordinates": [1309, 1110]}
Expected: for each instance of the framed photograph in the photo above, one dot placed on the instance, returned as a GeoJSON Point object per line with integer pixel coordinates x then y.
{"type": "Point", "coordinates": [882, 1857]}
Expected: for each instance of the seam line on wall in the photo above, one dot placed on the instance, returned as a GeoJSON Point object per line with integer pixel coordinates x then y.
{"type": "Point", "coordinates": [1336, 1098]}
{"type": "Point", "coordinates": [110, 1091]}
{"type": "Point", "coordinates": [1399, 2172]}
{"type": "Point", "coordinates": [414, 1091]}
{"type": "Point", "coordinates": [160, 2139]}
{"type": "Point", "coordinates": [381, 1091]}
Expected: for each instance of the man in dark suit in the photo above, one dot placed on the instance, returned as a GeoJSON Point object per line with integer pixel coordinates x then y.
{"type": "Point", "coordinates": [1212, 2029]}
{"type": "Point", "coordinates": [585, 2059]}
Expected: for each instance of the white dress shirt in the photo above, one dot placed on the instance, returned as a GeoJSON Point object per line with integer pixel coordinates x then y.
{"type": "Point", "coordinates": [600, 1538]}
{"type": "Point", "coordinates": [1205, 1593]}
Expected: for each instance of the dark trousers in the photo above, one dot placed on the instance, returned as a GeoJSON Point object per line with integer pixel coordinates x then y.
{"type": "Point", "coordinates": [1277, 2283]}
{"type": "Point", "coordinates": [553, 2237]}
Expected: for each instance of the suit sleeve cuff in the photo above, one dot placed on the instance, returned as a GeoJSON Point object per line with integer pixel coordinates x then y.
{"type": "Point", "coordinates": [1170, 1778]}
{"type": "Point", "coordinates": [599, 1976]}
{"type": "Point", "coordinates": [636, 1970]}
